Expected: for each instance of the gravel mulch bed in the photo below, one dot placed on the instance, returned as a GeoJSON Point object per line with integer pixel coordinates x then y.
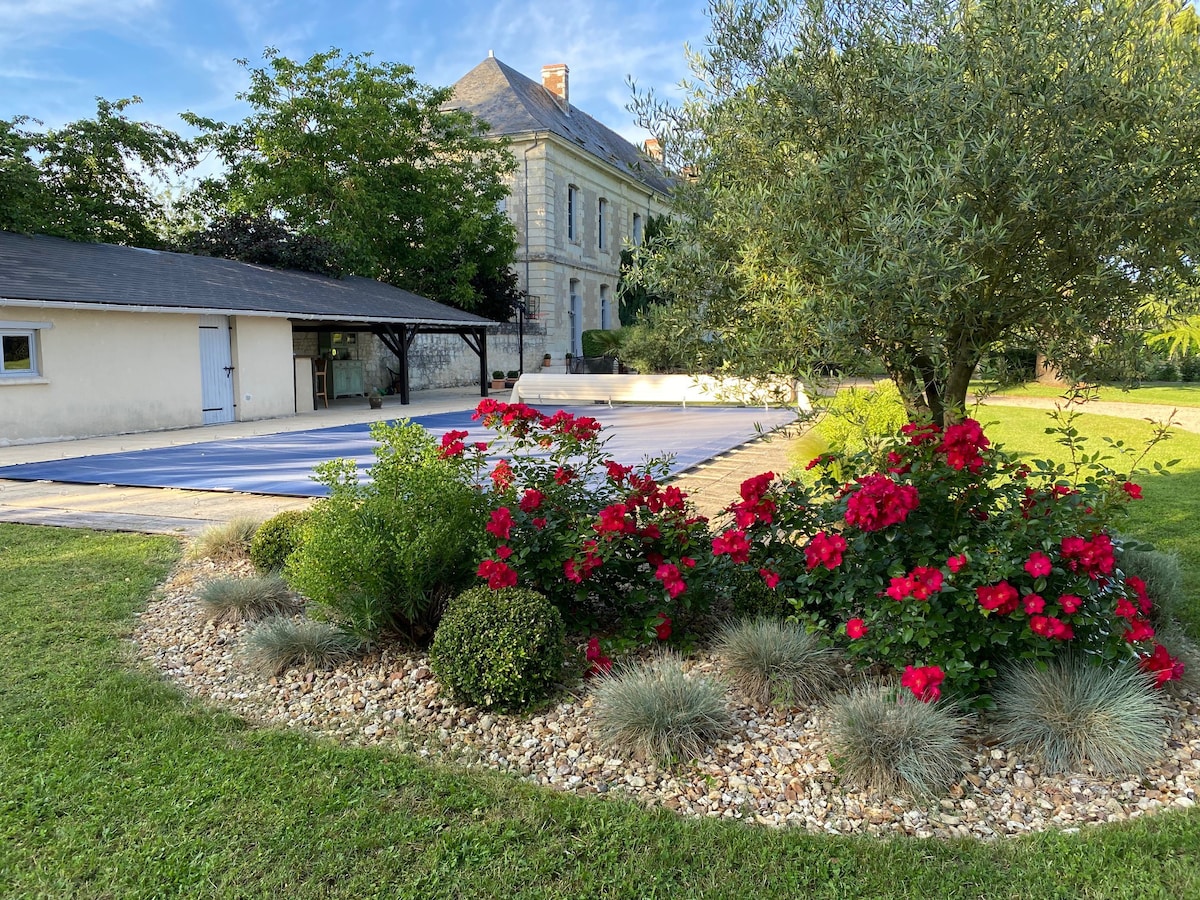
{"type": "Point", "coordinates": [773, 770]}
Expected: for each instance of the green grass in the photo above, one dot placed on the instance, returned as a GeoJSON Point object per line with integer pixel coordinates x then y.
{"type": "Point", "coordinates": [1170, 508]}
{"type": "Point", "coordinates": [113, 785]}
{"type": "Point", "coordinates": [1161, 393]}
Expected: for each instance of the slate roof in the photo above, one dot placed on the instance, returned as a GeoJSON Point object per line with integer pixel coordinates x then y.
{"type": "Point", "coordinates": [57, 272]}
{"type": "Point", "coordinates": [513, 104]}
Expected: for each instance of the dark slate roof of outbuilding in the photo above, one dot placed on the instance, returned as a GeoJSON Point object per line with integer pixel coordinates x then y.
{"type": "Point", "coordinates": [512, 104]}
{"type": "Point", "coordinates": [56, 272]}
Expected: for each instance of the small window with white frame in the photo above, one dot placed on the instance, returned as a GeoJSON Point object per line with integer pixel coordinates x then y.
{"type": "Point", "coordinates": [19, 357]}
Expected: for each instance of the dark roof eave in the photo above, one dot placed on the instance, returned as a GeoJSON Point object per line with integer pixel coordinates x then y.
{"type": "Point", "coordinates": [44, 303]}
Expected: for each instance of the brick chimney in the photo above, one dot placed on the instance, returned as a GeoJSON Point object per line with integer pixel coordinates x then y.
{"type": "Point", "coordinates": [554, 79]}
{"type": "Point", "coordinates": [654, 150]}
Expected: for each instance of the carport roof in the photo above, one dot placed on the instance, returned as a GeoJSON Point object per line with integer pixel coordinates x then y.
{"type": "Point", "coordinates": [36, 270]}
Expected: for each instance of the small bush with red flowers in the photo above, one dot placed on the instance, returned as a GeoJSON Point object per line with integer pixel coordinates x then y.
{"type": "Point", "coordinates": [604, 541]}
{"type": "Point", "coordinates": [953, 560]}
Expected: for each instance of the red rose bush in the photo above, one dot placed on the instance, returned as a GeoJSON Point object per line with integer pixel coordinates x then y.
{"type": "Point", "coordinates": [944, 558]}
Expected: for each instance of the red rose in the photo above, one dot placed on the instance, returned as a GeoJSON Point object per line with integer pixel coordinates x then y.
{"type": "Point", "coordinates": [923, 682]}
{"type": "Point", "coordinates": [770, 578]}
{"type": "Point", "coordinates": [1038, 565]}
{"type": "Point", "coordinates": [855, 629]}
{"type": "Point", "coordinates": [662, 630]}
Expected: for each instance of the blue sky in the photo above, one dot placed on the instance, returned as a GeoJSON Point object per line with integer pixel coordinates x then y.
{"type": "Point", "coordinates": [56, 56]}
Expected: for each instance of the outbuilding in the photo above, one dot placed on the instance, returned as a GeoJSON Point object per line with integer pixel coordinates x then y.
{"type": "Point", "coordinates": [99, 339]}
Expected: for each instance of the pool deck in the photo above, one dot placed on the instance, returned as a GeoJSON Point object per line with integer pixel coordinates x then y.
{"type": "Point", "coordinates": [171, 510]}
{"type": "Point", "coordinates": [712, 485]}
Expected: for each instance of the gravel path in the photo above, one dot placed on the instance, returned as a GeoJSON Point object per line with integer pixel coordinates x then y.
{"type": "Point", "coordinates": [773, 770]}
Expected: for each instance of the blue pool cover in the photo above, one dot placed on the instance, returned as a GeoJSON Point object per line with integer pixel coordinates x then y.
{"type": "Point", "coordinates": [283, 463]}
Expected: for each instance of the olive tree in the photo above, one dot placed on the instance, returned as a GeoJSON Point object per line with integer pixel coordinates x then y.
{"type": "Point", "coordinates": [930, 180]}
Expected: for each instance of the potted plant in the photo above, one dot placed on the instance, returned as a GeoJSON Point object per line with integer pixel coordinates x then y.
{"type": "Point", "coordinates": [546, 361]}
{"type": "Point", "coordinates": [375, 399]}
{"type": "Point", "coordinates": [510, 377]}
{"type": "Point", "coordinates": [498, 378]}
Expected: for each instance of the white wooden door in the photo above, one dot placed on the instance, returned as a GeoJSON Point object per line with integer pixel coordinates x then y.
{"type": "Point", "coordinates": [216, 370]}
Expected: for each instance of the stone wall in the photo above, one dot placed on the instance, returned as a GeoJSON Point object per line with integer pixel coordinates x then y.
{"type": "Point", "coordinates": [437, 360]}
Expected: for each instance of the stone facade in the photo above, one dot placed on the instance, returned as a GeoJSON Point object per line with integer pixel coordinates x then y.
{"type": "Point", "coordinates": [579, 194]}
{"type": "Point", "coordinates": [570, 271]}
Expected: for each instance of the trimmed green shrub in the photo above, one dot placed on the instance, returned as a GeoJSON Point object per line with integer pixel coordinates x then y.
{"type": "Point", "coordinates": [657, 712]}
{"type": "Point", "coordinates": [1069, 712]}
{"type": "Point", "coordinates": [777, 661]}
{"type": "Point", "coordinates": [743, 595]}
{"type": "Point", "coordinates": [1165, 370]}
{"type": "Point", "coordinates": [227, 541]}
{"type": "Point", "coordinates": [499, 648]}
{"type": "Point", "coordinates": [897, 744]}
{"type": "Point", "coordinates": [386, 555]}
{"type": "Point", "coordinates": [280, 643]}
{"type": "Point", "coordinates": [248, 598]}
{"type": "Point", "coordinates": [276, 538]}
{"type": "Point", "coordinates": [1189, 368]}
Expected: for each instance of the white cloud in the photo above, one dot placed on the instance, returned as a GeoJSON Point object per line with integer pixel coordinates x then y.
{"type": "Point", "coordinates": [38, 21]}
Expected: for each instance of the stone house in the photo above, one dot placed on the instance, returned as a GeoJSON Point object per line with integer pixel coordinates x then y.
{"type": "Point", "coordinates": [580, 193]}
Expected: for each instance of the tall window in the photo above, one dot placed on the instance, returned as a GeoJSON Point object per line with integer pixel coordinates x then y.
{"type": "Point", "coordinates": [576, 313]}
{"type": "Point", "coordinates": [572, 213]}
{"type": "Point", "coordinates": [18, 350]}
{"type": "Point", "coordinates": [605, 308]}
{"type": "Point", "coordinates": [637, 230]}
{"type": "Point", "coordinates": [601, 211]}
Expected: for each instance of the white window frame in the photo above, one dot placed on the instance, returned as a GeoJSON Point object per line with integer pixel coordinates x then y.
{"type": "Point", "coordinates": [30, 330]}
{"type": "Point", "coordinates": [601, 208]}
{"type": "Point", "coordinates": [573, 213]}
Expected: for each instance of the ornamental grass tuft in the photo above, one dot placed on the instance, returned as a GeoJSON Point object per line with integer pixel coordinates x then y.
{"type": "Point", "coordinates": [281, 643]}
{"type": "Point", "coordinates": [657, 712]}
{"type": "Point", "coordinates": [775, 661]}
{"type": "Point", "coordinates": [1071, 712]}
{"type": "Point", "coordinates": [251, 598]}
{"type": "Point", "coordinates": [227, 541]}
{"type": "Point", "coordinates": [897, 744]}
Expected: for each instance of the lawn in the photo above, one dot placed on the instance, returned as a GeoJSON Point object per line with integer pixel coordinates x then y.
{"type": "Point", "coordinates": [1163, 393]}
{"type": "Point", "coordinates": [1167, 515]}
{"type": "Point", "coordinates": [113, 785]}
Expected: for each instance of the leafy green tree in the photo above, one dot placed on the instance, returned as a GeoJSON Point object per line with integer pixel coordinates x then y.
{"type": "Point", "coordinates": [263, 240]}
{"type": "Point", "coordinates": [931, 179]}
{"type": "Point", "coordinates": [363, 156]}
{"type": "Point", "coordinates": [92, 179]}
{"type": "Point", "coordinates": [633, 294]}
